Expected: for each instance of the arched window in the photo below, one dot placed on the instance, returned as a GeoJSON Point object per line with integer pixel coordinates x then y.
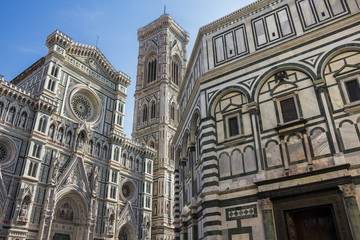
{"type": "Point", "coordinates": [131, 163]}
{"type": "Point", "coordinates": [42, 124]}
{"type": "Point", "coordinates": [145, 113]}
{"type": "Point", "coordinates": [137, 165]}
{"type": "Point", "coordinates": [172, 112]}
{"type": "Point", "coordinates": [153, 110]}
{"type": "Point", "coordinates": [151, 70]}
{"type": "Point", "coordinates": [116, 154]}
{"type": "Point", "coordinates": [97, 150]}
{"type": "Point", "coordinates": [175, 72]}
{"type": "Point", "coordinates": [149, 167]}
{"type": "Point", "coordinates": [105, 153]}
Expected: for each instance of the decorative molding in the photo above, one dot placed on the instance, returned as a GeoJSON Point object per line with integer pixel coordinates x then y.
{"type": "Point", "coordinates": [265, 204]}
{"type": "Point", "coordinates": [348, 190]}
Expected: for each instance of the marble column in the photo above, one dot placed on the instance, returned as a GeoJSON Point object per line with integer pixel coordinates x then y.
{"type": "Point", "coordinates": [268, 220]}
{"type": "Point", "coordinates": [352, 208]}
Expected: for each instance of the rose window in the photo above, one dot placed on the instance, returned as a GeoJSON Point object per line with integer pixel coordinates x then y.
{"type": "Point", "coordinates": [81, 107]}
{"type": "Point", "coordinates": [128, 190]}
{"type": "Point", "coordinates": [8, 151]}
{"type": "Point", "coordinates": [3, 152]}
{"type": "Point", "coordinates": [85, 104]}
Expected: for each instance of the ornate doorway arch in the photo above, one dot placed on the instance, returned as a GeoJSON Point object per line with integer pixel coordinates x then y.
{"type": "Point", "coordinates": [70, 218]}
{"type": "Point", "coordinates": [127, 232]}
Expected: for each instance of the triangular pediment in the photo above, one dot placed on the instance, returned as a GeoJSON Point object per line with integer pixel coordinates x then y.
{"type": "Point", "coordinates": [74, 175]}
{"type": "Point", "coordinates": [93, 64]}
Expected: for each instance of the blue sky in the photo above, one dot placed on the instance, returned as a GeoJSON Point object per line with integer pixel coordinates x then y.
{"type": "Point", "coordinates": [25, 24]}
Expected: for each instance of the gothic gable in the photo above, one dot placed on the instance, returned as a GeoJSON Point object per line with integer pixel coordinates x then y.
{"type": "Point", "coordinates": [75, 175]}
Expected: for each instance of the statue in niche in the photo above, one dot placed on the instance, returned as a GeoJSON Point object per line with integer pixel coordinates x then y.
{"type": "Point", "coordinates": [56, 169]}
{"type": "Point", "coordinates": [95, 179]}
{"type": "Point", "coordinates": [24, 208]}
{"type": "Point", "coordinates": [68, 137]}
{"type": "Point", "coordinates": [22, 120]}
{"type": "Point", "coordinates": [111, 222]}
{"type": "Point", "coordinates": [97, 150]}
{"type": "Point", "coordinates": [60, 135]}
{"type": "Point", "coordinates": [51, 131]}
{"type": "Point", "coordinates": [80, 141]}
{"type": "Point", "coordinates": [1, 108]}
{"type": "Point", "coordinates": [155, 209]}
{"type": "Point", "coordinates": [11, 114]}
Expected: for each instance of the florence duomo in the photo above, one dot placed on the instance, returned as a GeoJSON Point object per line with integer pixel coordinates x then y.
{"type": "Point", "coordinates": [253, 135]}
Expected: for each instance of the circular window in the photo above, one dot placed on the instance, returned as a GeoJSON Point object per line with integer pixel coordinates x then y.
{"type": "Point", "coordinates": [7, 151]}
{"type": "Point", "coordinates": [81, 106]}
{"type": "Point", "coordinates": [128, 191]}
{"type": "Point", "coordinates": [85, 105]}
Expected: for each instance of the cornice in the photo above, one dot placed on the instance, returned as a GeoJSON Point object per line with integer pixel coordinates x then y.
{"type": "Point", "coordinates": [37, 102]}
{"type": "Point", "coordinates": [164, 21]}
{"type": "Point", "coordinates": [120, 138]}
{"type": "Point", "coordinates": [79, 49]}
{"type": "Point", "coordinates": [39, 63]}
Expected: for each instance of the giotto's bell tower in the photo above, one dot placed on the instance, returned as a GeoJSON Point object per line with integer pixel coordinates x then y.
{"type": "Point", "coordinates": [161, 65]}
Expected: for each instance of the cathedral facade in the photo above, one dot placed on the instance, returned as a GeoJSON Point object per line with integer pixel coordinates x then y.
{"type": "Point", "coordinates": [255, 136]}
{"type": "Point", "coordinates": [67, 170]}
{"type": "Point", "coordinates": [268, 146]}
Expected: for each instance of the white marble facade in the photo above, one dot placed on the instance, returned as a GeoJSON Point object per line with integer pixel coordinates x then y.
{"type": "Point", "coordinates": [68, 171]}
{"type": "Point", "coordinates": [272, 116]}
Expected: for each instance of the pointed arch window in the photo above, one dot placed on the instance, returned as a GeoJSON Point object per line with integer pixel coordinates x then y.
{"type": "Point", "coordinates": [116, 154]}
{"type": "Point", "coordinates": [151, 70]}
{"type": "Point", "coordinates": [172, 112]}
{"type": "Point", "coordinates": [145, 114]}
{"type": "Point", "coordinates": [105, 153]}
{"type": "Point", "coordinates": [175, 72]}
{"type": "Point", "coordinates": [153, 110]}
{"type": "Point", "coordinates": [42, 124]}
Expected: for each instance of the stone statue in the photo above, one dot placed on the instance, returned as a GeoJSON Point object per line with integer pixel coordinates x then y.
{"type": "Point", "coordinates": [95, 179]}
{"type": "Point", "coordinates": [24, 208]}
{"type": "Point", "coordinates": [22, 120]}
{"type": "Point", "coordinates": [68, 138]}
{"type": "Point", "coordinates": [1, 108]}
{"type": "Point", "coordinates": [80, 142]}
{"type": "Point", "coordinates": [56, 169]}
{"type": "Point", "coordinates": [60, 135]}
{"type": "Point", "coordinates": [51, 131]}
{"type": "Point", "coordinates": [10, 116]}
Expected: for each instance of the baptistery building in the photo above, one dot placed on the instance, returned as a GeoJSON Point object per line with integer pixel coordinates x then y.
{"type": "Point", "coordinates": [67, 170]}
{"type": "Point", "coordinates": [268, 142]}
